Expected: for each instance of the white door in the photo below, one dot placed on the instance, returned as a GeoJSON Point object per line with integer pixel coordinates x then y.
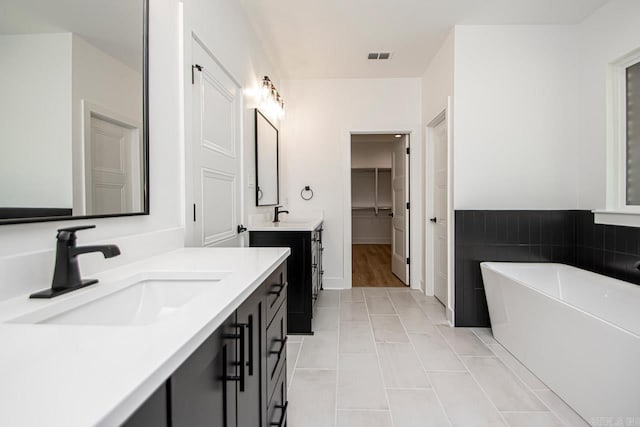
{"type": "Point", "coordinates": [215, 153]}
{"type": "Point", "coordinates": [110, 179]}
{"type": "Point", "coordinates": [400, 222]}
{"type": "Point", "coordinates": [440, 194]}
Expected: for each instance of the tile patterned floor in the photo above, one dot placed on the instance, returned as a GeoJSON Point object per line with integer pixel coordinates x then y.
{"type": "Point", "coordinates": [386, 357]}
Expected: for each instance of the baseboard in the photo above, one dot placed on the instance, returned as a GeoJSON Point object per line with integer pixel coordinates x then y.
{"type": "Point", "coordinates": [334, 283]}
{"type": "Point", "coordinates": [450, 316]}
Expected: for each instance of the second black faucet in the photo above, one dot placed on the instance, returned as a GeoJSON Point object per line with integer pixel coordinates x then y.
{"type": "Point", "coordinates": [277, 212]}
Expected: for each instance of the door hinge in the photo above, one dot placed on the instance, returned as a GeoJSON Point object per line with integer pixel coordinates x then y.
{"type": "Point", "coordinates": [194, 212]}
{"type": "Point", "coordinates": [408, 261]}
{"type": "Point", "coordinates": [408, 205]}
{"type": "Point", "coordinates": [193, 72]}
{"type": "Point", "coordinates": [408, 150]}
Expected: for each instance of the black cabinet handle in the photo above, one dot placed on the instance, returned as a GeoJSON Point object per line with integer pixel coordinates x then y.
{"type": "Point", "coordinates": [434, 219]}
{"type": "Point", "coordinates": [250, 361]}
{"type": "Point", "coordinates": [242, 362]}
{"type": "Point", "coordinates": [283, 415]}
{"type": "Point", "coordinates": [280, 287]}
{"type": "Point", "coordinates": [283, 341]}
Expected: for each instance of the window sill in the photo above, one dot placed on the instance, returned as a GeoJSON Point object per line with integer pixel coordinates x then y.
{"type": "Point", "coordinates": [617, 217]}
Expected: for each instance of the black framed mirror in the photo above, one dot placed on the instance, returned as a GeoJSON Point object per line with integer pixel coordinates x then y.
{"type": "Point", "coordinates": [74, 125]}
{"type": "Point", "coordinates": [267, 162]}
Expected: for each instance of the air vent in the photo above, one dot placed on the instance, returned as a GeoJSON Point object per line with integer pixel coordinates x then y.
{"type": "Point", "coordinates": [379, 55]}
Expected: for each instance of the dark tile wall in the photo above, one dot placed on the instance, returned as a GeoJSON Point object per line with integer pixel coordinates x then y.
{"type": "Point", "coordinates": [524, 236]}
{"type": "Point", "coordinates": [607, 249]}
{"type": "Point", "coordinates": [563, 236]}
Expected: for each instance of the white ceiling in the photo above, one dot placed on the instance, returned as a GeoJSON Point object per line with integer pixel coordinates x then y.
{"type": "Point", "coordinates": [331, 38]}
{"type": "Point", "coordinates": [114, 26]}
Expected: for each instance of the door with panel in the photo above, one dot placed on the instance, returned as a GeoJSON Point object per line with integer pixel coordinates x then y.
{"type": "Point", "coordinates": [215, 154]}
{"type": "Point", "coordinates": [400, 226]}
{"type": "Point", "coordinates": [441, 247]}
{"type": "Point", "coordinates": [111, 155]}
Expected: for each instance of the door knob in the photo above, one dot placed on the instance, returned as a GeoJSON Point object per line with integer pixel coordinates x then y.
{"type": "Point", "coordinates": [434, 219]}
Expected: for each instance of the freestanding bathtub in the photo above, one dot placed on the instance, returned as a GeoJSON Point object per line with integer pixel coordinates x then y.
{"type": "Point", "coordinates": [578, 331]}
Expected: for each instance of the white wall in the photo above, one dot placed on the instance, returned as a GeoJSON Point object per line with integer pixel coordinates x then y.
{"type": "Point", "coordinates": [225, 30]}
{"type": "Point", "coordinates": [437, 91]}
{"type": "Point", "coordinates": [437, 81]}
{"type": "Point", "coordinates": [316, 149]}
{"type": "Point", "coordinates": [608, 34]}
{"type": "Point", "coordinates": [102, 80]}
{"type": "Point", "coordinates": [26, 255]}
{"type": "Point", "coordinates": [35, 120]}
{"type": "Point", "coordinates": [516, 118]}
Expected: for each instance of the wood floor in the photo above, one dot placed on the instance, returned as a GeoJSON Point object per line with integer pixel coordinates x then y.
{"type": "Point", "coordinates": [371, 266]}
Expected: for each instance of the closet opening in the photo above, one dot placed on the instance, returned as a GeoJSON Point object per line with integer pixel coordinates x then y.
{"type": "Point", "coordinates": [380, 210]}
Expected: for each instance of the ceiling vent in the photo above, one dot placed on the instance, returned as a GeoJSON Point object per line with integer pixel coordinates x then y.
{"type": "Point", "coordinates": [379, 55]}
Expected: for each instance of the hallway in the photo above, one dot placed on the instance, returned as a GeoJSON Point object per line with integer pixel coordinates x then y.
{"type": "Point", "coordinates": [385, 357]}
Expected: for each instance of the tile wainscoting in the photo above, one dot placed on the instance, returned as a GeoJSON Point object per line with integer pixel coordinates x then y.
{"type": "Point", "coordinates": [563, 236]}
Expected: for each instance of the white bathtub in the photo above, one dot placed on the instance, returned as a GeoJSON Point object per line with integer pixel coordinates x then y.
{"type": "Point", "coordinates": [579, 332]}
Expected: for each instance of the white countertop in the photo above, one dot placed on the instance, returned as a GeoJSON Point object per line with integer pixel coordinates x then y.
{"type": "Point", "coordinates": [85, 375]}
{"type": "Point", "coordinates": [287, 224]}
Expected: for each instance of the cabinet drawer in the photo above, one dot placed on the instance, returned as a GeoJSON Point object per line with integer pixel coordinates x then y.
{"type": "Point", "coordinates": [276, 347]}
{"type": "Point", "coordinates": [277, 411]}
{"type": "Point", "coordinates": [276, 289]}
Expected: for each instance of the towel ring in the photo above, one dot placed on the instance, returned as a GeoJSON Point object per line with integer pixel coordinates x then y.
{"type": "Point", "coordinates": [305, 190]}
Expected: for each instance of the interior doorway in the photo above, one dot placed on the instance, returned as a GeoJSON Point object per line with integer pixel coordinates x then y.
{"type": "Point", "coordinates": [379, 210]}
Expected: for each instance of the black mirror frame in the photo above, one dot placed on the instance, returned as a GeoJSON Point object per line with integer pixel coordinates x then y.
{"type": "Point", "coordinates": [258, 112]}
{"type": "Point", "coordinates": [145, 140]}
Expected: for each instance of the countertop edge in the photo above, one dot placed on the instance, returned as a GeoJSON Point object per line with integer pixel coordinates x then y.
{"type": "Point", "coordinates": [138, 396]}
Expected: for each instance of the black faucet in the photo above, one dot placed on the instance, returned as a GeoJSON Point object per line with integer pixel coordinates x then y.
{"type": "Point", "coordinates": [66, 276]}
{"type": "Point", "coordinates": [277, 212]}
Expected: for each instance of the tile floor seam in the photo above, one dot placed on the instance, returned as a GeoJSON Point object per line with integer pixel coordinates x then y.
{"type": "Point", "coordinates": [435, 393]}
{"type": "Point", "coordinates": [486, 395]}
{"type": "Point", "coordinates": [524, 383]}
{"type": "Point", "coordinates": [377, 353]}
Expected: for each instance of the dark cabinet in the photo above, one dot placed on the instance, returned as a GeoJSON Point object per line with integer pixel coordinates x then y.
{"type": "Point", "coordinates": [304, 272]}
{"type": "Point", "coordinates": [235, 377]}
{"type": "Point", "coordinates": [204, 387]}
{"type": "Point", "coordinates": [153, 412]}
{"type": "Point", "coordinates": [251, 392]}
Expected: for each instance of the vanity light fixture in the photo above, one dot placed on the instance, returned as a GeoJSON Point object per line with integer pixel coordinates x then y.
{"type": "Point", "coordinates": [271, 99]}
{"type": "Point", "coordinates": [398, 136]}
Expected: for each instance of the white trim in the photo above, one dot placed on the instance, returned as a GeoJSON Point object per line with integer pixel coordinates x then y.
{"type": "Point", "coordinates": [617, 211]}
{"type": "Point", "coordinates": [347, 262]}
{"type": "Point", "coordinates": [430, 209]}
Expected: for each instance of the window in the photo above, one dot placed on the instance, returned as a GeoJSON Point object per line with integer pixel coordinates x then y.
{"type": "Point", "coordinates": [623, 140]}
{"type": "Point", "coordinates": [632, 104]}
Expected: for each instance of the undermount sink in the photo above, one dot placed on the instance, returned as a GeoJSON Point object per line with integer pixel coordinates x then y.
{"type": "Point", "coordinates": [141, 303]}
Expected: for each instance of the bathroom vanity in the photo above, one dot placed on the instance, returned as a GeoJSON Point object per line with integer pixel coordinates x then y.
{"type": "Point", "coordinates": [194, 337]}
{"type": "Point", "coordinates": [304, 269]}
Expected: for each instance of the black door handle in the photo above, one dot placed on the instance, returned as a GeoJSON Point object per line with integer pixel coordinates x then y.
{"type": "Point", "coordinates": [241, 229]}
{"type": "Point", "coordinates": [434, 219]}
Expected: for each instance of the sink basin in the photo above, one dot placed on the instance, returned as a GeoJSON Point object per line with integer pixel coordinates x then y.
{"type": "Point", "coordinates": [141, 303]}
